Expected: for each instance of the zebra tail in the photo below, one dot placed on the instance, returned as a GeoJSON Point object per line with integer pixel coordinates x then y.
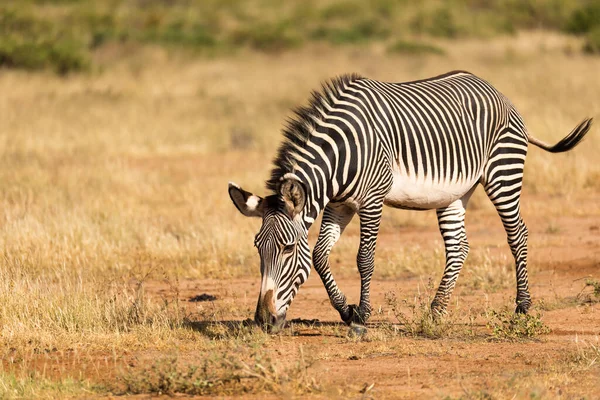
{"type": "Point", "coordinates": [570, 141]}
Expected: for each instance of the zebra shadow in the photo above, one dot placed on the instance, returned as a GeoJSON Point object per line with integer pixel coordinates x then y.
{"type": "Point", "coordinates": [228, 329]}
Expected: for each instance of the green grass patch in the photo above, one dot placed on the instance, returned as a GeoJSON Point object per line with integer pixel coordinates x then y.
{"type": "Point", "coordinates": [63, 34]}
{"type": "Point", "coordinates": [267, 37]}
{"type": "Point", "coordinates": [358, 32]}
{"type": "Point", "coordinates": [31, 43]}
{"type": "Point", "coordinates": [584, 19]}
{"type": "Point", "coordinates": [414, 48]}
{"type": "Point", "coordinates": [32, 386]}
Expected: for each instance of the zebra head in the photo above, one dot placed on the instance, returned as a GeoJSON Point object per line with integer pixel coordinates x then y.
{"type": "Point", "coordinates": [282, 244]}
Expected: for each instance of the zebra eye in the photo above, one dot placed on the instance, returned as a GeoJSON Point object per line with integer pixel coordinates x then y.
{"type": "Point", "coordinates": [289, 248]}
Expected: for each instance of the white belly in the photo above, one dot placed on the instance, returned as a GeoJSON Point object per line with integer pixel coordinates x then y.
{"type": "Point", "coordinates": [424, 194]}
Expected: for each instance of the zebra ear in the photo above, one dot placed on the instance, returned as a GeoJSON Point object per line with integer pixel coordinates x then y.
{"type": "Point", "coordinates": [294, 196]}
{"type": "Point", "coordinates": [247, 203]}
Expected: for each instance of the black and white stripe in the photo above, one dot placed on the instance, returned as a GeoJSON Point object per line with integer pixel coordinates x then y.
{"type": "Point", "coordinates": [422, 145]}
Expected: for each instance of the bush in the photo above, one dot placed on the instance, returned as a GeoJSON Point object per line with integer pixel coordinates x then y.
{"type": "Point", "coordinates": [267, 37]}
{"type": "Point", "coordinates": [30, 43]}
{"type": "Point", "coordinates": [584, 19]}
{"type": "Point", "coordinates": [360, 31]}
{"type": "Point", "coordinates": [178, 33]}
{"type": "Point", "coordinates": [533, 14]}
{"type": "Point", "coordinates": [443, 24]}
{"type": "Point", "coordinates": [440, 23]}
{"type": "Point", "coordinates": [592, 41]}
{"type": "Point", "coordinates": [507, 325]}
{"type": "Point", "coordinates": [61, 56]}
{"type": "Point", "coordinates": [406, 47]}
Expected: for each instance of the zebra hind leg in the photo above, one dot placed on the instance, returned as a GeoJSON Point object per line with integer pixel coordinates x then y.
{"type": "Point", "coordinates": [335, 219]}
{"type": "Point", "coordinates": [503, 187]}
{"type": "Point", "coordinates": [451, 221]}
{"type": "Point", "coordinates": [517, 234]}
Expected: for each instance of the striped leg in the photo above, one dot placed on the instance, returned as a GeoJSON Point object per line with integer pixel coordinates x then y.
{"type": "Point", "coordinates": [335, 219]}
{"type": "Point", "coordinates": [370, 219]}
{"type": "Point", "coordinates": [451, 221]}
{"type": "Point", "coordinates": [507, 205]}
{"type": "Point", "coordinates": [503, 181]}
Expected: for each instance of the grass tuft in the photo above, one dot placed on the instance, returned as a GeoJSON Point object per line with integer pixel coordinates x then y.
{"type": "Point", "coordinates": [416, 317]}
{"type": "Point", "coordinates": [229, 373]}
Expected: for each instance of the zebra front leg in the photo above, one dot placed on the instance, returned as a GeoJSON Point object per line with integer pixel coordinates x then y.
{"type": "Point", "coordinates": [335, 219]}
{"type": "Point", "coordinates": [451, 221]}
{"type": "Point", "coordinates": [370, 219]}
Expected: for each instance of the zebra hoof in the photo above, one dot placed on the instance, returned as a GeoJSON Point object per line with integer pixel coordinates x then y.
{"type": "Point", "coordinates": [357, 330]}
{"type": "Point", "coordinates": [438, 312]}
{"type": "Point", "coordinates": [351, 316]}
{"type": "Point", "coordinates": [522, 308]}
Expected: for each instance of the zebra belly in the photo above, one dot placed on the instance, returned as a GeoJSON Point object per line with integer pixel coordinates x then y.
{"type": "Point", "coordinates": [424, 194]}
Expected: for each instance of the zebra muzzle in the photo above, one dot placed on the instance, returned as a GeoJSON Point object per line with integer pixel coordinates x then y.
{"type": "Point", "coordinates": [266, 314]}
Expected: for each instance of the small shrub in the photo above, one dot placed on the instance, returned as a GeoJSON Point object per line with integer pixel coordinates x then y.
{"type": "Point", "coordinates": [507, 325]}
{"type": "Point", "coordinates": [267, 37]}
{"type": "Point", "coordinates": [178, 33]}
{"type": "Point", "coordinates": [532, 14]}
{"type": "Point", "coordinates": [340, 11]}
{"type": "Point", "coordinates": [360, 31]}
{"type": "Point", "coordinates": [443, 24]}
{"type": "Point", "coordinates": [584, 19]}
{"type": "Point", "coordinates": [406, 47]}
{"type": "Point", "coordinates": [590, 296]}
{"type": "Point", "coordinates": [592, 41]}
{"type": "Point", "coordinates": [30, 43]}
{"type": "Point", "coordinates": [439, 23]}
{"type": "Point", "coordinates": [595, 285]}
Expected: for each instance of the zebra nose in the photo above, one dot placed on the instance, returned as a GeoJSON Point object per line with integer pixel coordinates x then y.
{"type": "Point", "coordinates": [266, 314]}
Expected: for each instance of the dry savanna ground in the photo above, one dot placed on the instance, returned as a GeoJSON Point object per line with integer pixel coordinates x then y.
{"type": "Point", "coordinates": [114, 214]}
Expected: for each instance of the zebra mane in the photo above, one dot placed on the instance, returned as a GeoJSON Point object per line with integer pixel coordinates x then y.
{"type": "Point", "coordinates": [298, 129]}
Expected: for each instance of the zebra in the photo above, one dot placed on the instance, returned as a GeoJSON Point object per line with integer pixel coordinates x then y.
{"type": "Point", "coordinates": [361, 144]}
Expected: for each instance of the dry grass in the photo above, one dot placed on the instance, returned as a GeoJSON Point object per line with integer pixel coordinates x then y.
{"type": "Point", "coordinates": [116, 180]}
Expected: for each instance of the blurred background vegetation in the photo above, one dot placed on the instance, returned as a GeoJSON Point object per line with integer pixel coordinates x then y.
{"type": "Point", "coordinates": [63, 35]}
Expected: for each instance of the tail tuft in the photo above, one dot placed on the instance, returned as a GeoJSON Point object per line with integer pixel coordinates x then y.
{"type": "Point", "coordinates": [570, 141]}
